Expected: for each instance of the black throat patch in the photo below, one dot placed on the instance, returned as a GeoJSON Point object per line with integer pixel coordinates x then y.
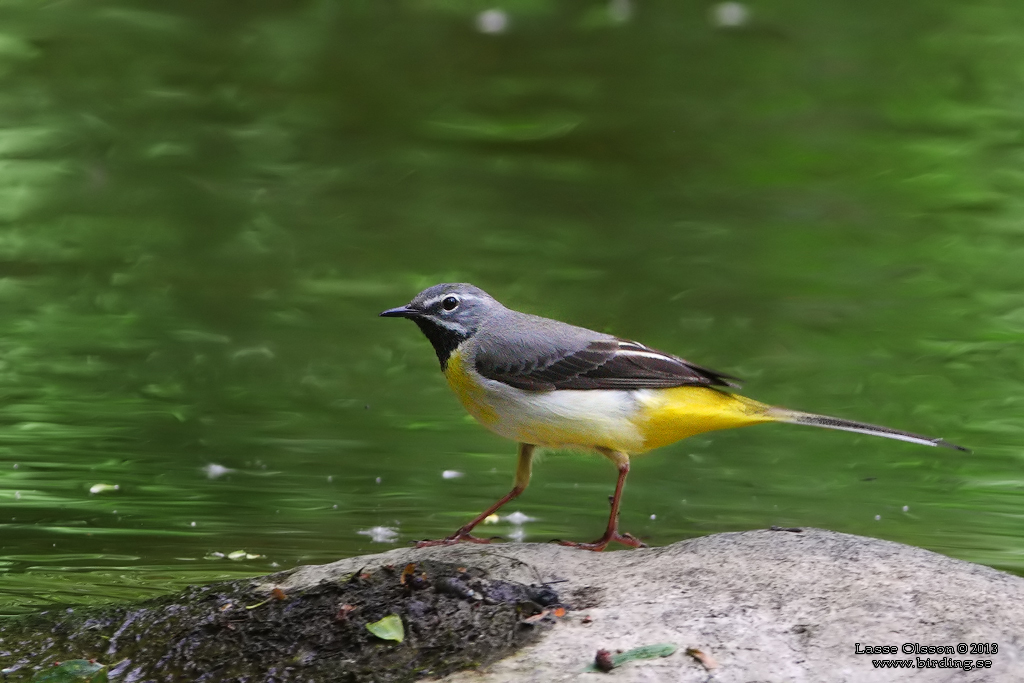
{"type": "Point", "coordinates": [443, 339]}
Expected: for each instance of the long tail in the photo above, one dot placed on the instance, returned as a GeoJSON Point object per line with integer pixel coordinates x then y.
{"type": "Point", "coordinates": [796, 417]}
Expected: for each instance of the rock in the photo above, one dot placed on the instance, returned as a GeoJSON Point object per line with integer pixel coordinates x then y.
{"type": "Point", "coordinates": [385, 624]}
{"type": "Point", "coordinates": [766, 605]}
{"type": "Point", "coordinates": [760, 606]}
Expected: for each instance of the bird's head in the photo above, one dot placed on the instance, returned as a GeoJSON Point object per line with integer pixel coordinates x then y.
{"type": "Point", "coordinates": [448, 314]}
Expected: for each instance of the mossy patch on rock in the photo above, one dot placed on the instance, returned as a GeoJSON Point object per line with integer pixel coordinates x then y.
{"type": "Point", "coordinates": [453, 618]}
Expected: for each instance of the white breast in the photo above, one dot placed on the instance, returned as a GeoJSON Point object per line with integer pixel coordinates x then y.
{"type": "Point", "coordinates": [565, 417]}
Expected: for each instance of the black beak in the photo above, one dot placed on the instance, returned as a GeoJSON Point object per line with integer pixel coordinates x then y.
{"type": "Point", "coordinates": [400, 312]}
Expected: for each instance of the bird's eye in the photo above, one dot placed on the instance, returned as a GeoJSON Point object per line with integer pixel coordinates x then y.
{"type": "Point", "coordinates": [450, 303]}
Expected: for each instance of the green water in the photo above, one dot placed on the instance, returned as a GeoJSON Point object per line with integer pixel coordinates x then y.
{"type": "Point", "coordinates": [203, 207]}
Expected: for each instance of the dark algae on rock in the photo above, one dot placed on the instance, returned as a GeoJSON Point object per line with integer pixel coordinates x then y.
{"type": "Point", "coordinates": [453, 618]}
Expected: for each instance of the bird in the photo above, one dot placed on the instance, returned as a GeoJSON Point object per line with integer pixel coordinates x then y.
{"type": "Point", "coordinates": [548, 384]}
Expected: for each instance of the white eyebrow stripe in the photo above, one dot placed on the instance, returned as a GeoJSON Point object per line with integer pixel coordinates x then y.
{"type": "Point", "coordinates": [441, 297]}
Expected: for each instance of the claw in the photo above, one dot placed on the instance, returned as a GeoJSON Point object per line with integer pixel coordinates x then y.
{"type": "Point", "coordinates": [457, 537]}
{"type": "Point", "coordinates": [602, 543]}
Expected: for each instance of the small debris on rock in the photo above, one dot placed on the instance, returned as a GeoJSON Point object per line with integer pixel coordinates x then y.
{"type": "Point", "coordinates": [557, 612]}
{"type": "Point", "coordinates": [343, 612]}
{"type": "Point", "coordinates": [703, 657]}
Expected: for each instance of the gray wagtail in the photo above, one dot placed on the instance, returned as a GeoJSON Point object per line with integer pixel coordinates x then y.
{"type": "Point", "coordinates": [545, 383]}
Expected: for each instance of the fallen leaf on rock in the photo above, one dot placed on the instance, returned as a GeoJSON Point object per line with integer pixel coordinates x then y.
{"type": "Point", "coordinates": [536, 617]}
{"type": "Point", "coordinates": [73, 671]}
{"type": "Point", "coordinates": [703, 657]}
{"type": "Point", "coordinates": [642, 652]}
{"type": "Point", "coordinates": [409, 570]}
{"type": "Point", "coordinates": [388, 628]}
{"type": "Point", "coordinates": [276, 594]}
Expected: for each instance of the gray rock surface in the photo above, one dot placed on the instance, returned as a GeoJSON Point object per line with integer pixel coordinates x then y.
{"type": "Point", "coordinates": [767, 605]}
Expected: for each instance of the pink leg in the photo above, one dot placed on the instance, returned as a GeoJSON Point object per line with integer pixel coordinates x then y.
{"type": "Point", "coordinates": [521, 482]}
{"type": "Point", "coordinates": [611, 533]}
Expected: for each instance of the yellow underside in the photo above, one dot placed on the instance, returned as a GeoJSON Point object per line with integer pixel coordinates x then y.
{"type": "Point", "coordinates": [469, 392]}
{"type": "Point", "coordinates": [655, 417]}
{"type": "Point", "coordinates": [674, 414]}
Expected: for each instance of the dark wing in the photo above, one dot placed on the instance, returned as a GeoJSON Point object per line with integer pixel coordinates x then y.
{"type": "Point", "coordinates": [605, 364]}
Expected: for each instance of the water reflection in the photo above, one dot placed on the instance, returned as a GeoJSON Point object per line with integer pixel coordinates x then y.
{"type": "Point", "coordinates": [204, 208]}
{"type": "Point", "coordinates": [492, 21]}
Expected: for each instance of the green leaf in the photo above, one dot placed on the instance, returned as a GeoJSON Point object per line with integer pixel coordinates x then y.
{"type": "Point", "coordinates": [73, 671]}
{"type": "Point", "coordinates": [388, 628]}
{"type": "Point", "coordinates": [642, 652]}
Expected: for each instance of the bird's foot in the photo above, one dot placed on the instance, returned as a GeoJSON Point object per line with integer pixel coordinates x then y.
{"type": "Point", "coordinates": [601, 543]}
{"type": "Point", "coordinates": [458, 537]}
